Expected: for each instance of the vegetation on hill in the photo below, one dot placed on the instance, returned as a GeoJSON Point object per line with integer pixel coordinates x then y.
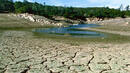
{"type": "Point", "coordinates": [6, 6]}
{"type": "Point", "coordinates": [68, 12]}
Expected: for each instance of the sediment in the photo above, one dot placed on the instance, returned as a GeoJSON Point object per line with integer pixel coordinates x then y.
{"type": "Point", "coordinates": [21, 52]}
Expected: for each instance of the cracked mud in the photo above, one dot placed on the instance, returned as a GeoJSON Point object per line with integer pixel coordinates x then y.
{"type": "Point", "coordinates": [20, 53]}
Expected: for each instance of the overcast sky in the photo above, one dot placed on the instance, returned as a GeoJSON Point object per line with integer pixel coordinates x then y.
{"type": "Point", "coordinates": [84, 3]}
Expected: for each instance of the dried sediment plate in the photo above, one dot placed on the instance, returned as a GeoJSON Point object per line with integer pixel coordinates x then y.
{"type": "Point", "coordinates": [21, 53]}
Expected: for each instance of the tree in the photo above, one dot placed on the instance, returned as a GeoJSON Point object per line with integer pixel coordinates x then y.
{"type": "Point", "coordinates": [25, 1]}
{"type": "Point", "coordinates": [11, 1]}
{"type": "Point", "coordinates": [17, 5]}
{"type": "Point", "coordinates": [68, 12]}
{"type": "Point", "coordinates": [44, 3]}
{"type": "Point", "coordinates": [127, 8]}
{"type": "Point", "coordinates": [22, 10]}
{"type": "Point", "coordinates": [6, 6]}
{"type": "Point", "coordinates": [121, 7]}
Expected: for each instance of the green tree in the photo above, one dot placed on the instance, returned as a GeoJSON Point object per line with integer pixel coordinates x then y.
{"type": "Point", "coordinates": [11, 1]}
{"type": "Point", "coordinates": [121, 7]}
{"type": "Point", "coordinates": [6, 6]}
{"type": "Point", "coordinates": [68, 12]}
{"type": "Point", "coordinates": [127, 8]}
{"type": "Point", "coordinates": [22, 9]}
{"type": "Point", "coordinates": [25, 1]}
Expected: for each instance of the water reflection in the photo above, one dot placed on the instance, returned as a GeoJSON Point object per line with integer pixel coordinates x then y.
{"type": "Point", "coordinates": [72, 30]}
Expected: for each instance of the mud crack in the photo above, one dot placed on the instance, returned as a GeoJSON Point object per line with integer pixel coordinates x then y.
{"type": "Point", "coordinates": [26, 70]}
{"type": "Point", "coordinates": [89, 63]}
{"type": "Point", "coordinates": [105, 69]}
{"type": "Point", "coordinates": [23, 60]}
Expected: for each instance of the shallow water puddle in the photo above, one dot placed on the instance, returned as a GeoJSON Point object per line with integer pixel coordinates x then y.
{"type": "Point", "coordinates": [72, 30]}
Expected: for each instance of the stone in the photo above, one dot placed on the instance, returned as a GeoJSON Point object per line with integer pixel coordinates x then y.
{"type": "Point", "coordinates": [31, 18]}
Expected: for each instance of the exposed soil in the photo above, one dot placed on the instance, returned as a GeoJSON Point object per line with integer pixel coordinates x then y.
{"type": "Point", "coordinates": [22, 52]}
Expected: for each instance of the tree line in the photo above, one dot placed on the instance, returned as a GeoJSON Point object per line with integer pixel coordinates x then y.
{"type": "Point", "coordinates": [68, 12]}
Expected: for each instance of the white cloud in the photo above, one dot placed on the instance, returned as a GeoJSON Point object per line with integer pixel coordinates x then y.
{"type": "Point", "coordinates": [110, 3]}
{"type": "Point", "coordinates": [18, 0]}
{"type": "Point", "coordinates": [96, 1]}
{"type": "Point", "coordinates": [56, 2]}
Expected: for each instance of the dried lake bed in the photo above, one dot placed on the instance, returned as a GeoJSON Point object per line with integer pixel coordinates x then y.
{"type": "Point", "coordinates": [23, 51]}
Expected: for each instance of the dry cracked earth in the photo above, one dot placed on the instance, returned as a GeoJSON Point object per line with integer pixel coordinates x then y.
{"type": "Point", "coordinates": [20, 53]}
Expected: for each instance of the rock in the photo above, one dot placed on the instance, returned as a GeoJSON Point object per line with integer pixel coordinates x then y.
{"type": "Point", "coordinates": [40, 19]}
{"type": "Point", "coordinates": [31, 19]}
{"type": "Point", "coordinates": [59, 24]}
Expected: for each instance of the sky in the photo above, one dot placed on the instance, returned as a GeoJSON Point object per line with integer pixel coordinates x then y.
{"type": "Point", "coordinates": [84, 3]}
